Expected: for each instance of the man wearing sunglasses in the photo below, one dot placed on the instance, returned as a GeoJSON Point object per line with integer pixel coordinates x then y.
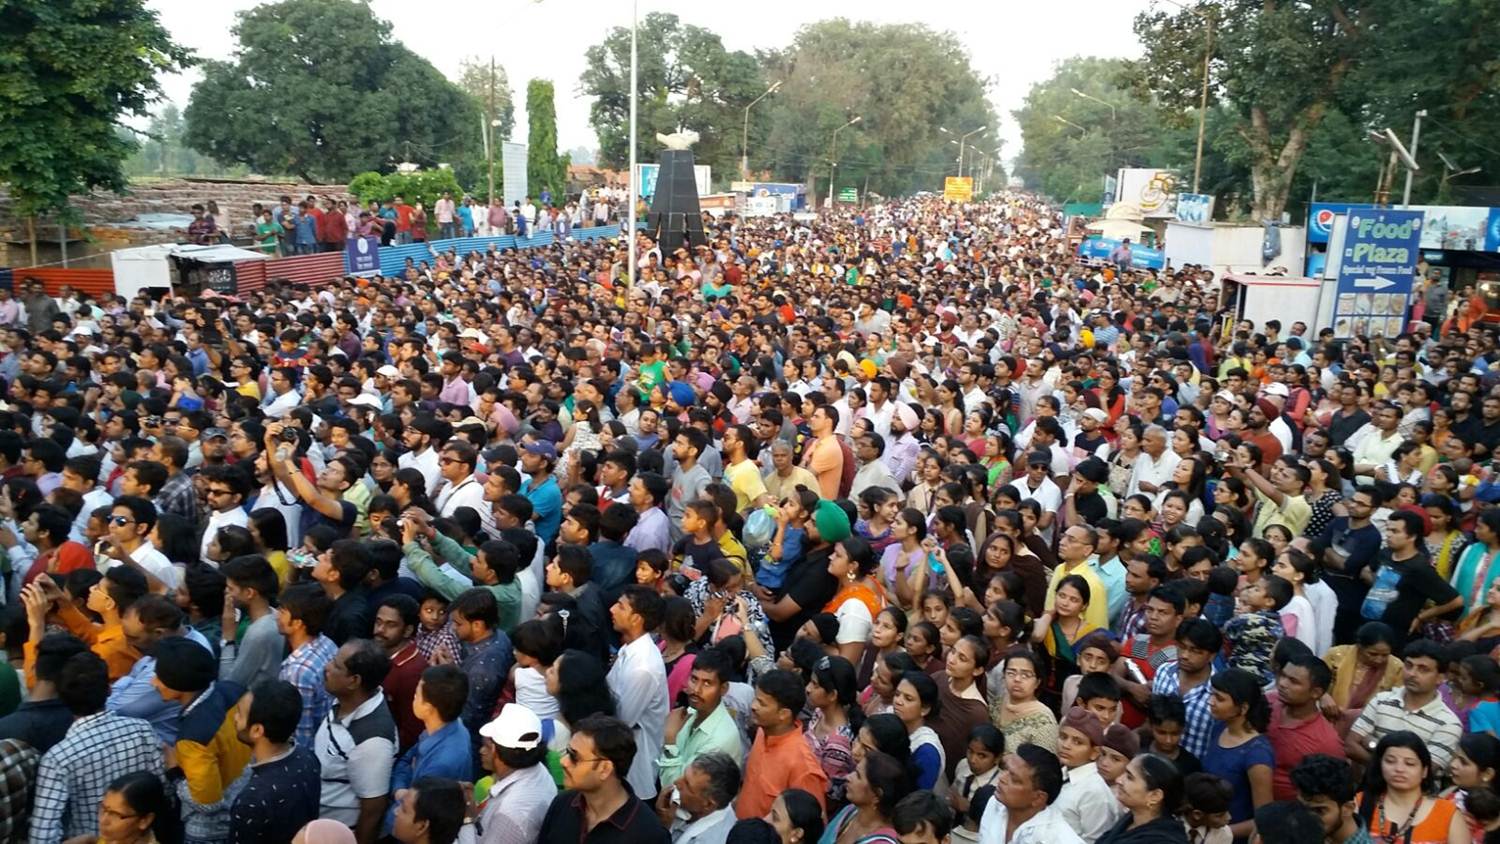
{"type": "Point", "coordinates": [598, 806]}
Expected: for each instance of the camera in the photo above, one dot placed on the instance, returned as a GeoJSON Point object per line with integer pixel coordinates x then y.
{"type": "Point", "coordinates": [288, 436]}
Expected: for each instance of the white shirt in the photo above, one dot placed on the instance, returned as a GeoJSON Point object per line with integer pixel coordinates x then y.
{"type": "Point", "coordinates": [880, 420]}
{"type": "Point", "coordinates": [712, 828]}
{"type": "Point", "coordinates": [514, 811]}
{"type": "Point", "coordinates": [1086, 802]}
{"type": "Point", "coordinates": [153, 561]}
{"type": "Point", "coordinates": [468, 492]}
{"type": "Point", "coordinates": [234, 516]}
{"type": "Point", "coordinates": [638, 682]}
{"type": "Point", "coordinates": [1045, 827]}
{"type": "Point", "coordinates": [1325, 605]}
{"type": "Point", "coordinates": [92, 500]}
{"type": "Point", "coordinates": [427, 464]}
{"type": "Point", "coordinates": [1156, 472]}
{"type": "Point", "coordinates": [874, 473]}
{"type": "Point", "coordinates": [282, 404]}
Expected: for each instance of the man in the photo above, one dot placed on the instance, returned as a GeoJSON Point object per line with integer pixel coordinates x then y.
{"type": "Point", "coordinates": [780, 758]}
{"type": "Point", "coordinates": [705, 725]}
{"type": "Point", "coordinates": [421, 438]}
{"type": "Point", "coordinates": [1037, 484]}
{"type": "Point", "coordinates": [538, 458]}
{"type": "Point", "coordinates": [177, 494]}
{"type": "Point", "coordinates": [146, 624]}
{"type": "Point", "coordinates": [322, 500]}
{"type": "Point", "coordinates": [81, 474]}
{"type": "Point", "coordinates": [131, 519]}
{"type": "Point", "coordinates": [521, 787]}
{"type": "Point", "coordinates": [484, 655]}
{"type": "Point", "coordinates": [1279, 499]}
{"type": "Point", "coordinates": [250, 583]}
{"type": "Point", "coordinates": [784, 475]}
{"type": "Point", "coordinates": [1021, 810]}
{"type": "Point", "coordinates": [444, 750]}
{"type": "Point", "coordinates": [396, 621]}
{"type": "Point", "coordinates": [432, 811]}
{"type": "Point", "coordinates": [1416, 706]}
{"type": "Point", "coordinates": [1074, 550]}
{"type": "Point", "coordinates": [699, 807]}
{"type": "Point", "coordinates": [653, 527]}
{"type": "Point", "coordinates": [1198, 642]}
{"type": "Point", "coordinates": [444, 210]}
{"type": "Point", "coordinates": [99, 747]}
{"type": "Point", "coordinates": [1326, 785]}
{"type": "Point", "coordinates": [299, 619]}
{"type": "Point", "coordinates": [1154, 467]}
{"type": "Point", "coordinates": [689, 478]}
{"type": "Point", "coordinates": [901, 454]}
{"type": "Point", "coordinates": [356, 741]}
{"type": "Point", "coordinates": [1142, 574]}
{"type": "Point", "coordinates": [873, 472]}
{"type": "Point", "coordinates": [43, 718]}
{"type": "Point", "coordinates": [1285, 820]}
{"type": "Point", "coordinates": [207, 752]}
{"type": "Point", "coordinates": [282, 793]}
{"type": "Point", "coordinates": [1350, 544]}
{"type": "Point", "coordinates": [462, 489]}
{"type": "Point", "coordinates": [1298, 728]}
{"type": "Point", "coordinates": [1156, 645]}
{"type": "Point", "coordinates": [638, 681]}
{"type": "Point", "coordinates": [1406, 591]}
{"type": "Point", "coordinates": [741, 473]}
{"type": "Point", "coordinates": [225, 491]}
{"type": "Point", "coordinates": [598, 807]}
{"type": "Point", "coordinates": [1375, 446]}
{"type": "Point", "coordinates": [1085, 802]}
{"type": "Point", "coordinates": [283, 395]}
{"type": "Point", "coordinates": [341, 571]}
{"type": "Point", "coordinates": [824, 457]}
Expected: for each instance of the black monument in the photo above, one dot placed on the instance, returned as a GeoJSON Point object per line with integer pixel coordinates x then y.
{"type": "Point", "coordinates": [675, 220]}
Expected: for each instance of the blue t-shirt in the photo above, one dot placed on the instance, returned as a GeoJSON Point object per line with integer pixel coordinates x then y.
{"type": "Point", "coordinates": [1233, 765]}
{"type": "Point", "coordinates": [546, 504]}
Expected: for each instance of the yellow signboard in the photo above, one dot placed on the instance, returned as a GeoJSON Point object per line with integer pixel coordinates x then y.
{"type": "Point", "coordinates": [958, 188]}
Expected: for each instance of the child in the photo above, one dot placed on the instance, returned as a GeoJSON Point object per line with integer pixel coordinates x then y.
{"type": "Point", "coordinates": [435, 630]}
{"type": "Point", "coordinates": [961, 622]}
{"type": "Point", "coordinates": [319, 538]}
{"type": "Point", "coordinates": [1207, 817]}
{"type": "Point", "coordinates": [786, 545]}
{"type": "Point", "coordinates": [1099, 694]}
{"type": "Point", "coordinates": [979, 768]}
{"type": "Point", "coordinates": [1096, 653]}
{"type": "Point", "coordinates": [1167, 715]}
{"type": "Point", "coordinates": [1120, 746]}
{"type": "Point", "coordinates": [691, 553]}
{"type": "Point", "coordinates": [923, 643]}
{"type": "Point", "coordinates": [935, 608]}
{"type": "Point", "coordinates": [1250, 637]}
{"type": "Point", "coordinates": [1223, 582]}
{"type": "Point", "coordinates": [1297, 618]}
{"type": "Point", "coordinates": [651, 570]}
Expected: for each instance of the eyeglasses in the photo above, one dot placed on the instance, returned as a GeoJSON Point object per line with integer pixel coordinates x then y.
{"type": "Point", "coordinates": [221, 492]}
{"type": "Point", "coordinates": [120, 520]}
{"type": "Point", "coordinates": [573, 757]}
{"type": "Point", "coordinates": [446, 460]}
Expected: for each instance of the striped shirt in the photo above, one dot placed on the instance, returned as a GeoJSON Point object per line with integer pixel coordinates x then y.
{"type": "Point", "coordinates": [1433, 721]}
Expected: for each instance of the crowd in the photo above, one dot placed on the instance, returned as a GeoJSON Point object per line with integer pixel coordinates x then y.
{"type": "Point", "coordinates": [898, 525]}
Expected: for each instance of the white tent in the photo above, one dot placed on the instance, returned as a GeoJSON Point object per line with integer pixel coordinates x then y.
{"type": "Point", "coordinates": [1122, 220]}
{"type": "Point", "coordinates": [145, 267]}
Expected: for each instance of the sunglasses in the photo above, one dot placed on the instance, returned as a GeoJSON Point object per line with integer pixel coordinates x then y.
{"type": "Point", "coordinates": [120, 520]}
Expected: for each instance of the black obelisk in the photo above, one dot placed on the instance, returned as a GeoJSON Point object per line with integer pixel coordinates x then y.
{"type": "Point", "coordinates": [675, 219]}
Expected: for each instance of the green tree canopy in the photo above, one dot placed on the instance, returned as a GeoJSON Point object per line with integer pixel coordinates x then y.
{"type": "Point", "coordinates": [319, 88]}
{"type": "Point", "coordinates": [545, 169]}
{"type": "Point", "coordinates": [70, 71]}
{"type": "Point", "coordinates": [486, 82]}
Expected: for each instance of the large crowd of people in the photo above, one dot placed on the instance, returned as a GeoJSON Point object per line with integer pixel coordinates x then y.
{"type": "Point", "coordinates": [900, 524]}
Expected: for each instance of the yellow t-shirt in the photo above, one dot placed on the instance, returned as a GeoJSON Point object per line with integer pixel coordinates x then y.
{"type": "Point", "coordinates": [1096, 614]}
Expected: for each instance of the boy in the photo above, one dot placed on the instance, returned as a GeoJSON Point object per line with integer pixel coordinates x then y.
{"type": "Point", "coordinates": [1207, 816]}
{"type": "Point", "coordinates": [1222, 583]}
{"type": "Point", "coordinates": [435, 630]}
{"type": "Point", "coordinates": [1086, 802]}
{"type": "Point", "coordinates": [1167, 717]}
{"type": "Point", "coordinates": [1099, 694]}
{"type": "Point", "coordinates": [697, 546]}
{"type": "Point", "coordinates": [1250, 637]}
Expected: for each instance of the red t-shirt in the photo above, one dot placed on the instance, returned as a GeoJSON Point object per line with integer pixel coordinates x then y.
{"type": "Point", "coordinates": [1291, 742]}
{"type": "Point", "coordinates": [403, 217]}
{"type": "Point", "coordinates": [69, 556]}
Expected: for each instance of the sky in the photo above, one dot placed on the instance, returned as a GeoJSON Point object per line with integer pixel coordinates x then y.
{"type": "Point", "coordinates": [1015, 44]}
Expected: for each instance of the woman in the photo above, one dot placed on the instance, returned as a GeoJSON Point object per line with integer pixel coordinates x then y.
{"type": "Point", "coordinates": [1475, 764]}
{"type": "Point", "coordinates": [1122, 462]}
{"type": "Point", "coordinates": [796, 816]}
{"type": "Point", "coordinates": [878, 697]}
{"type": "Point", "coordinates": [929, 475]}
{"type": "Point", "coordinates": [996, 459]}
{"type": "Point", "coordinates": [1238, 750]}
{"type": "Point", "coordinates": [998, 553]}
{"type": "Point", "coordinates": [1394, 805]}
{"type": "Point", "coordinates": [1325, 501]}
{"type": "Point", "coordinates": [834, 723]}
{"type": "Point", "coordinates": [917, 701]}
{"type": "Point", "coordinates": [383, 471]}
{"type": "Point", "coordinates": [1445, 542]}
{"type": "Point", "coordinates": [1362, 670]}
{"type": "Point", "coordinates": [1061, 628]}
{"type": "Point", "coordinates": [1005, 627]}
{"type": "Point", "coordinates": [909, 531]}
{"type": "Point", "coordinates": [874, 787]}
{"type": "Point", "coordinates": [1188, 478]}
{"type": "Point", "coordinates": [1019, 714]}
{"type": "Point", "coordinates": [860, 597]}
{"type": "Point", "coordinates": [948, 394]}
{"type": "Point", "coordinates": [678, 646]}
{"type": "Point", "coordinates": [409, 488]}
{"type": "Point", "coordinates": [1475, 694]}
{"type": "Point", "coordinates": [886, 634]}
{"type": "Point", "coordinates": [963, 705]}
{"type": "Point", "coordinates": [268, 527]}
{"type": "Point", "coordinates": [576, 679]}
{"type": "Point", "coordinates": [131, 806]}
{"type": "Point", "coordinates": [975, 426]}
{"type": "Point", "coordinates": [583, 435]}
{"type": "Point", "coordinates": [1150, 789]}
{"type": "Point", "coordinates": [1476, 565]}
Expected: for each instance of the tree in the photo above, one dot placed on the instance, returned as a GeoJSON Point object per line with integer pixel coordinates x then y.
{"type": "Point", "coordinates": [904, 82]}
{"type": "Point", "coordinates": [424, 186]}
{"type": "Point", "coordinates": [70, 72]}
{"type": "Point", "coordinates": [686, 80]}
{"type": "Point", "coordinates": [319, 88]}
{"type": "Point", "coordinates": [545, 169]}
{"type": "Point", "coordinates": [485, 82]}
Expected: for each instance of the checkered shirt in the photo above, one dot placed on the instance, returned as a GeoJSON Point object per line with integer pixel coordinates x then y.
{"type": "Point", "coordinates": [73, 775]}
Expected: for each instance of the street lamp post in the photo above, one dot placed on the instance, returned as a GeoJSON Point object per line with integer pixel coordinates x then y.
{"type": "Point", "coordinates": [1208, 54]}
{"type": "Point", "coordinates": [628, 220]}
{"type": "Point", "coordinates": [962, 139]}
{"type": "Point", "coordinates": [745, 132]}
{"type": "Point", "coordinates": [1106, 104]}
{"type": "Point", "coordinates": [832, 153]}
{"type": "Point", "coordinates": [1066, 122]}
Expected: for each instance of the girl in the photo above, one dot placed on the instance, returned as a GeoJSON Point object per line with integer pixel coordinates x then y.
{"type": "Point", "coordinates": [963, 705]}
{"type": "Point", "coordinates": [980, 767]}
{"type": "Point", "coordinates": [835, 720]}
{"type": "Point", "coordinates": [923, 645]}
{"type": "Point", "coordinates": [908, 532]}
{"type": "Point", "coordinates": [1475, 763]}
{"type": "Point", "coordinates": [1018, 714]}
{"type": "Point", "coordinates": [797, 817]}
{"type": "Point", "coordinates": [878, 507]}
{"type": "Point", "coordinates": [1474, 694]}
{"type": "Point", "coordinates": [1445, 542]}
{"type": "Point", "coordinates": [1005, 626]}
{"type": "Point", "coordinates": [651, 570]}
{"type": "Point", "coordinates": [886, 634]}
{"type": "Point", "coordinates": [1298, 618]}
{"type": "Point", "coordinates": [917, 702]}
{"type": "Point", "coordinates": [1476, 565]}
{"type": "Point", "coordinates": [1122, 463]}
{"type": "Point", "coordinates": [996, 460]}
{"type": "Point", "coordinates": [791, 535]}
{"type": "Point", "coordinates": [876, 698]}
{"type": "Point", "coordinates": [1322, 498]}
{"type": "Point", "coordinates": [1253, 561]}
{"type": "Point", "coordinates": [1238, 750]}
{"type": "Point", "coordinates": [935, 607]}
{"type": "Point", "coordinates": [1150, 790]}
{"type": "Point", "coordinates": [678, 645]}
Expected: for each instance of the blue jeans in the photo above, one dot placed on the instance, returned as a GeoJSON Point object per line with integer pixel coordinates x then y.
{"type": "Point", "coordinates": [446, 231]}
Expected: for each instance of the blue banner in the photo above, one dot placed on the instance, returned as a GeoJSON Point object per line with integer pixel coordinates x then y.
{"type": "Point", "coordinates": [1320, 218]}
{"type": "Point", "coordinates": [1492, 233]}
{"type": "Point", "coordinates": [1141, 257]}
{"type": "Point", "coordinates": [1380, 256]}
{"type": "Point", "coordinates": [362, 255]}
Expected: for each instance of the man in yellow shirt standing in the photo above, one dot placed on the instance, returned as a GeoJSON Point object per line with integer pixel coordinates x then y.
{"type": "Point", "coordinates": [740, 470]}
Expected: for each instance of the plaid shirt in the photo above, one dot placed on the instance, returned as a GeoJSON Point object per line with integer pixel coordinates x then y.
{"type": "Point", "coordinates": [178, 496]}
{"type": "Point", "coordinates": [18, 763]}
{"type": "Point", "coordinates": [303, 668]}
{"type": "Point", "coordinates": [1200, 722]}
{"type": "Point", "coordinates": [428, 641]}
{"type": "Point", "coordinates": [74, 774]}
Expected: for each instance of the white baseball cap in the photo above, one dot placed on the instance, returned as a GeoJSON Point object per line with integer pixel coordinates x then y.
{"type": "Point", "coordinates": [388, 371]}
{"type": "Point", "coordinates": [516, 728]}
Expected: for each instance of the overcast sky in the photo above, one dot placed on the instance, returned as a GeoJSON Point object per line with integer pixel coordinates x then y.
{"type": "Point", "coordinates": [1016, 44]}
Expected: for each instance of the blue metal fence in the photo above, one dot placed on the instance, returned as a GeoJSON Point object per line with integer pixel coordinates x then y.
{"type": "Point", "coordinates": [393, 258]}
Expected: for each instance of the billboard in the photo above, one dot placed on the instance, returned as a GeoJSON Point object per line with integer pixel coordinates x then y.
{"type": "Point", "coordinates": [1375, 275]}
{"type": "Point", "coordinates": [958, 188]}
{"type": "Point", "coordinates": [1461, 227]}
{"type": "Point", "coordinates": [1141, 257]}
{"type": "Point", "coordinates": [1320, 218]}
{"type": "Point", "coordinates": [1195, 208]}
{"type": "Point", "coordinates": [1153, 191]}
{"type": "Point", "coordinates": [513, 181]}
{"type": "Point", "coordinates": [787, 196]}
